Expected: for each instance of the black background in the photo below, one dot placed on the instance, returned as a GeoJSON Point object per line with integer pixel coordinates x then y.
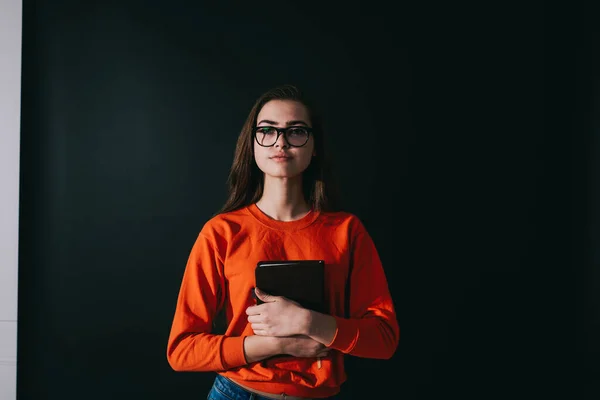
{"type": "Point", "coordinates": [462, 139]}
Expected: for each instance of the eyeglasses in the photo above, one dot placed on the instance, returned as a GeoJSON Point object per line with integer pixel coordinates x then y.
{"type": "Point", "coordinates": [295, 136]}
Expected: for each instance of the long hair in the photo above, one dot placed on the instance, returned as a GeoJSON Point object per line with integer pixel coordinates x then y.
{"type": "Point", "coordinates": [246, 180]}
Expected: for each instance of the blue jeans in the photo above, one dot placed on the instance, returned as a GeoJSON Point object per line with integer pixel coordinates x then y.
{"type": "Point", "coordinates": [224, 389]}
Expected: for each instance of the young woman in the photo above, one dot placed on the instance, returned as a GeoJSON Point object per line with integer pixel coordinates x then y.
{"type": "Point", "coordinates": [279, 208]}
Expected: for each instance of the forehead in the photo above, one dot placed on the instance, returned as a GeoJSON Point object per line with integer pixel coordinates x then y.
{"type": "Point", "coordinates": [283, 110]}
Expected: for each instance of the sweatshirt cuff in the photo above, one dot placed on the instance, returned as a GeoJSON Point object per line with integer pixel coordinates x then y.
{"type": "Point", "coordinates": [232, 350]}
{"type": "Point", "coordinates": [346, 335]}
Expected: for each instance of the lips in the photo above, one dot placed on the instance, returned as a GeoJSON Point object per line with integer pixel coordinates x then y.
{"type": "Point", "coordinates": [281, 158]}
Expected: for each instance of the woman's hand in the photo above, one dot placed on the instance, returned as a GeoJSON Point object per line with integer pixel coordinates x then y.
{"type": "Point", "coordinates": [302, 346]}
{"type": "Point", "coordinates": [278, 316]}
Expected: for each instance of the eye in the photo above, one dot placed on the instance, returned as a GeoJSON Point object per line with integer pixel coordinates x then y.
{"type": "Point", "coordinates": [267, 130]}
{"type": "Point", "coordinates": [297, 131]}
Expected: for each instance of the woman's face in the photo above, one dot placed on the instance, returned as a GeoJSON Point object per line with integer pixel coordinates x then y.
{"type": "Point", "coordinates": [282, 160]}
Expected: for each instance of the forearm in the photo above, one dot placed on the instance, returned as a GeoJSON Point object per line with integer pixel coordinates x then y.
{"type": "Point", "coordinates": [204, 352]}
{"type": "Point", "coordinates": [321, 327]}
{"type": "Point", "coordinates": [369, 337]}
{"type": "Point", "coordinates": [257, 348]}
{"type": "Point", "coordinates": [201, 352]}
{"type": "Point", "coordinates": [372, 336]}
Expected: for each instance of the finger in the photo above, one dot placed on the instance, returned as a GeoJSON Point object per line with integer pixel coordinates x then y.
{"type": "Point", "coordinates": [260, 333]}
{"type": "Point", "coordinates": [266, 297]}
{"type": "Point", "coordinates": [259, 327]}
{"type": "Point", "coordinates": [254, 310]}
{"type": "Point", "coordinates": [255, 319]}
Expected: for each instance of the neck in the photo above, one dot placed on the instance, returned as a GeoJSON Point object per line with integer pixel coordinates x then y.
{"type": "Point", "coordinates": [283, 199]}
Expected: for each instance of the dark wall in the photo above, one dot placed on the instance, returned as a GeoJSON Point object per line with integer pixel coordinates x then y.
{"type": "Point", "coordinates": [455, 137]}
{"type": "Point", "coordinates": [589, 312]}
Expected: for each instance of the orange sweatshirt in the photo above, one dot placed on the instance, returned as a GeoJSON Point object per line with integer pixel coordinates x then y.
{"type": "Point", "coordinates": [220, 275]}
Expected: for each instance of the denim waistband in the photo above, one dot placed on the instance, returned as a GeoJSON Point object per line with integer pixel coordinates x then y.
{"type": "Point", "coordinates": [225, 389]}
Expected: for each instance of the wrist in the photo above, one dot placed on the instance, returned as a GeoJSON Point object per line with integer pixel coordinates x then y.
{"type": "Point", "coordinates": [277, 345]}
{"type": "Point", "coordinates": [323, 328]}
{"type": "Point", "coordinates": [258, 348]}
{"type": "Point", "coordinates": [309, 322]}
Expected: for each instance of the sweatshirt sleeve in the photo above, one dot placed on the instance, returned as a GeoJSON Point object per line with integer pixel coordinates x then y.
{"type": "Point", "coordinates": [191, 346]}
{"type": "Point", "coordinates": [372, 330]}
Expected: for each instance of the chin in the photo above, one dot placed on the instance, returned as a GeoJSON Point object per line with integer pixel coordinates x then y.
{"type": "Point", "coordinates": [282, 174]}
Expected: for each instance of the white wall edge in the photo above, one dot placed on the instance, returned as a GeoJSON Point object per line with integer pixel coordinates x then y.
{"type": "Point", "coordinates": [8, 361]}
{"type": "Point", "coordinates": [11, 17]}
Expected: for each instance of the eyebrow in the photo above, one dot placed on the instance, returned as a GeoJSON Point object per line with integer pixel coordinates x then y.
{"type": "Point", "coordinates": [288, 123]}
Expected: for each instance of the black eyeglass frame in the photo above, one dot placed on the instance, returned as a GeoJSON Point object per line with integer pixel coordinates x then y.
{"type": "Point", "coordinates": [282, 131]}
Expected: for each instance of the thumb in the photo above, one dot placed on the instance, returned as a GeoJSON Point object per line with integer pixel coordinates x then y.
{"type": "Point", "coordinates": [267, 298]}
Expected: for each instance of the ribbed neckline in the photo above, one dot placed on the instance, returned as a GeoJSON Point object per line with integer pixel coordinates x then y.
{"type": "Point", "coordinates": [282, 225]}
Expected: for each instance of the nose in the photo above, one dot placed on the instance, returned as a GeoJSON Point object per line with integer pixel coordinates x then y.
{"type": "Point", "coordinates": [281, 143]}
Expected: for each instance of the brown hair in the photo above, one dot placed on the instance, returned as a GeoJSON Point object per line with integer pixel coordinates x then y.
{"type": "Point", "coordinates": [246, 179]}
